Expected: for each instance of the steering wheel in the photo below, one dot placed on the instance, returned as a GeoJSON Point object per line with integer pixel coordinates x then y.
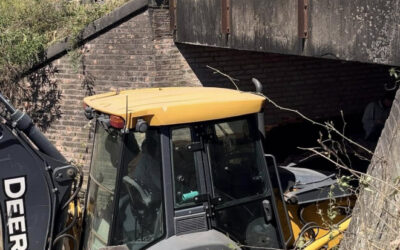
{"type": "Point", "coordinates": [141, 205]}
{"type": "Point", "coordinates": [135, 190]}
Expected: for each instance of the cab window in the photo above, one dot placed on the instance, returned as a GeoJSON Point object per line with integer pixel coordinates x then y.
{"type": "Point", "coordinates": [139, 220]}
{"type": "Point", "coordinates": [237, 171]}
{"type": "Point", "coordinates": [186, 182]}
{"type": "Point", "coordinates": [240, 183]}
{"type": "Point", "coordinates": [105, 160]}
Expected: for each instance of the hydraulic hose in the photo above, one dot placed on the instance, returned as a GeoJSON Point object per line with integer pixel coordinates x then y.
{"type": "Point", "coordinates": [24, 123]}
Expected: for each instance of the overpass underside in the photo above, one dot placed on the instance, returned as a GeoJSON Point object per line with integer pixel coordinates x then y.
{"type": "Point", "coordinates": [318, 57]}
{"type": "Point", "coordinates": [358, 30]}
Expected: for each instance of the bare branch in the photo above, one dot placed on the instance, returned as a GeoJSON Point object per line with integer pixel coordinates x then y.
{"type": "Point", "coordinates": [216, 71]}
{"type": "Point", "coordinates": [326, 125]}
{"type": "Point", "coordinates": [354, 172]}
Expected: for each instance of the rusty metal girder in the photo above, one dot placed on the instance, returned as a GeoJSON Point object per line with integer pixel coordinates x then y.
{"type": "Point", "coordinates": [226, 16]}
{"type": "Point", "coordinates": [303, 18]}
{"type": "Point", "coordinates": [172, 14]}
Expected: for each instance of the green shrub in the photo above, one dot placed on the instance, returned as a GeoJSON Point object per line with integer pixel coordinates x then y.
{"type": "Point", "coordinates": [28, 27]}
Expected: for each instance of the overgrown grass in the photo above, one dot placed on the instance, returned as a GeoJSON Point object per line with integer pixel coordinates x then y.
{"type": "Point", "coordinates": [28, 27]}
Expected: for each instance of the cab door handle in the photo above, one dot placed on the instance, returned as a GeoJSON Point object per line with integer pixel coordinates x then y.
{"type": "Point", "coordinates": [267, 210]}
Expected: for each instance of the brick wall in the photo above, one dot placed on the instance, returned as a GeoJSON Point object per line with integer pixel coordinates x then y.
{"type": "Point", "coordinates": [319, 88]}
{"type": "Point", "coordinates": [137, 53]}
{"type": "Point", "coordinates": [140, 52]}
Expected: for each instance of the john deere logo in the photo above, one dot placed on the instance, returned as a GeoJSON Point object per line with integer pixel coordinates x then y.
{"type": "Point", "coordinates": [14, 189]}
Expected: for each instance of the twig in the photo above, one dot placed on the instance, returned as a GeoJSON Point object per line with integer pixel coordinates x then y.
{"type": "Point", "coordinates": [306, 158]}
{"type": "Point", "coordinates": [326, 126]}
{"type": "Point", "coordinates": [343, 141]}
{"type": "Point", "coordinates": [354, 172]}
{"type": "Point", "coordinates": [332, 152]}
{"type": "Point", "coordinates": [216, 71]}
{"type": "Point", "coordinates": [361, 157]}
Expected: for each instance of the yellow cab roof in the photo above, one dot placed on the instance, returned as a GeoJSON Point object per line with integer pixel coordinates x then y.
{"type": "Point", "coordinates": [176, 105]}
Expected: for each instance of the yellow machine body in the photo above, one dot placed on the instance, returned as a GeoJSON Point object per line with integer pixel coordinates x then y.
{"type": "Point", "coordinates": [167, 106]}
{"type": "Point", "coordinates": [329, 232]}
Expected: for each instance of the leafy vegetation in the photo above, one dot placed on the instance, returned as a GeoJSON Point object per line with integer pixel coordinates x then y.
{"type": "Point", "coordinates": [27, 28]}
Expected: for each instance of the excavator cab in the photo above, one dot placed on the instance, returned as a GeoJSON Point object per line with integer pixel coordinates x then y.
{"type": "Point", "coordinates": [181, 179]}
{"type": "Point", "coordinates": [195, 175]}
{"type": "Point", "coordinates": [184, 168]}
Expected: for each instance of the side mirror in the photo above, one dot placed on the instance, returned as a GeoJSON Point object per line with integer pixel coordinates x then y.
{"type": "Point", "coordinates": [141, 126]}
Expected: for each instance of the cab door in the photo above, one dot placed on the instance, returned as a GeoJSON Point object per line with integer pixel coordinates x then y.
{"type": "Point", "coordinates": [188, 184]}
{"type": "Point", "coordinates": [242, 201]}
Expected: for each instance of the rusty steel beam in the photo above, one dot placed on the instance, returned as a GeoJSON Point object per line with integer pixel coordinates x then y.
{"type": "Point", "coordinates": [172, 14]}
{"type": "Point", "coordinates": [226, 16]}
{"type": "Point", "coordinates": [303, 18]}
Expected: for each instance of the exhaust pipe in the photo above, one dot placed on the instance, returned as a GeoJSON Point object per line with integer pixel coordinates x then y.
{"type": "Point", "coordinates": [260, 115]}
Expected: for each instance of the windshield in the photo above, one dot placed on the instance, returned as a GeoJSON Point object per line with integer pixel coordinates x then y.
{"type": "Point", "coordinates": [103, 173]}
{"type": "Point", "coordinates": [139, 220]}
{"type": "Point", "coordinates": [128, 210]}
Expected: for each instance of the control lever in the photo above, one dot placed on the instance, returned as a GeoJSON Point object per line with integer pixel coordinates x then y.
{"type": "Point", "coordinates": [267, 210]}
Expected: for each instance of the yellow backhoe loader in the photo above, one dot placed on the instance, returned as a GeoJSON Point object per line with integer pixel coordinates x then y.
{"type": "Point", "coordinates": [171, 168]}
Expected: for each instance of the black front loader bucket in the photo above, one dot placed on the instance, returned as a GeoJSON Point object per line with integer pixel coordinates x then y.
{"type": "Point", "coordinates": [36, 186]}
{"type": "Point", "coordinates": [25, 195]}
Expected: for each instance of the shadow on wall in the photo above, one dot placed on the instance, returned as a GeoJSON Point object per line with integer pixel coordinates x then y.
{"type": "Point", "coordinates": [43, 98]}
{"type": "Point", "coordinates": [37, 94]}
{"type": "Point", "coordinates": [318, 88]}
